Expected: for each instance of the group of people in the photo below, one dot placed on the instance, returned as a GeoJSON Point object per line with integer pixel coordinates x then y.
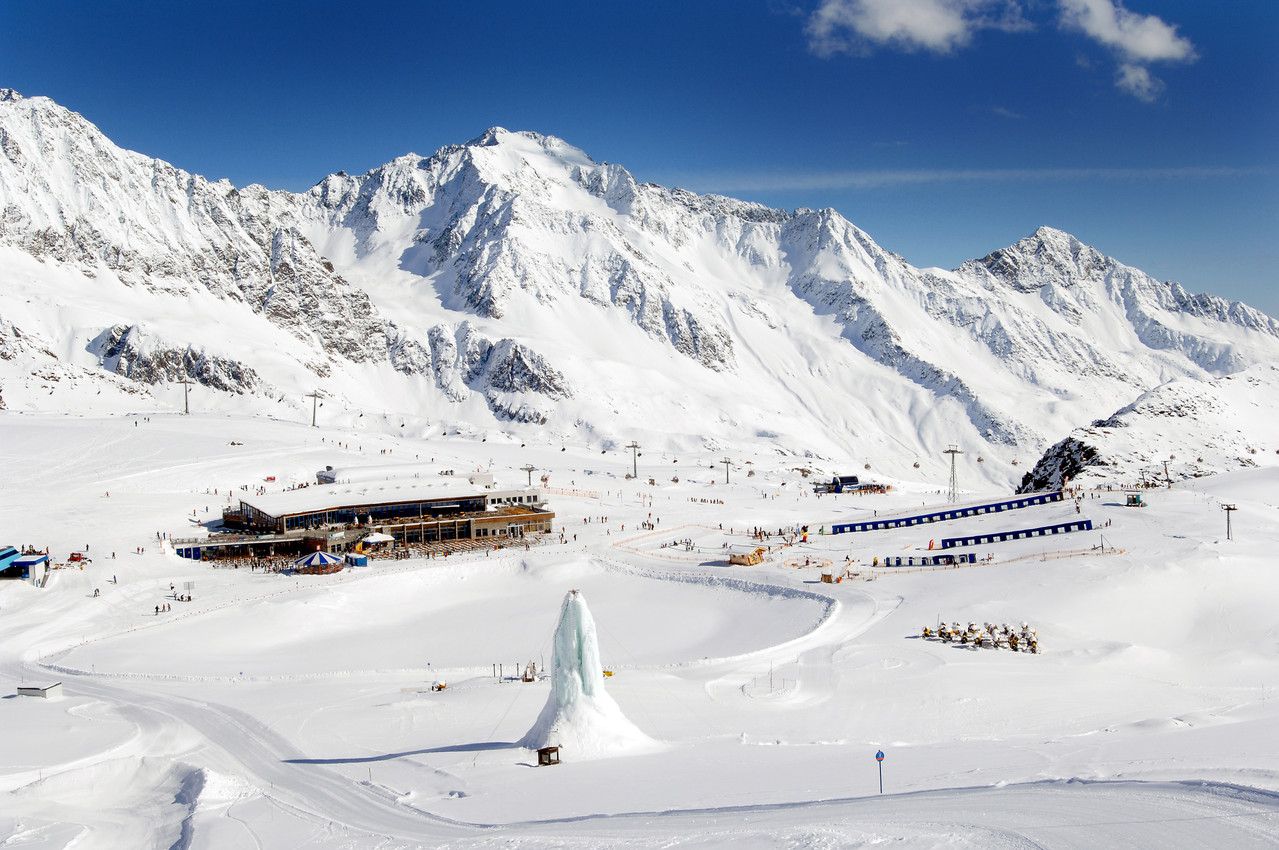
{"type": "Point", "coordinates": [273, 564]}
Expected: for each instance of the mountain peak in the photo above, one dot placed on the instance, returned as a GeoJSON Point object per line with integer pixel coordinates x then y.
{"type": "Point", "coordinates": [1053, 239]}
{"type": "Point", "coordinates": [1049, 233]}
{"type": "Point", "coordinates": [525, 142]}
{"type": "Point", "coordinates": [1047, 255]}
{"type": "Point", "coordinates": [9, 96]}
{"type": "Point", "coordinates": [490, 137]}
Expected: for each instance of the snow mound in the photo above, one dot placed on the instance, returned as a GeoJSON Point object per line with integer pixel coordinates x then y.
{"type": "Point", "coordinates": [579, 715]}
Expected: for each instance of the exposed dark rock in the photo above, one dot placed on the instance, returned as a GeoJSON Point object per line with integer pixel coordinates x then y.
{"type": "Point", "coordinates": [1059, 464]}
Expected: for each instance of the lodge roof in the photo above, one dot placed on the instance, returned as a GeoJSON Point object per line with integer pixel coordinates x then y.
{"type": "Point", "coordinates": [319, 497]}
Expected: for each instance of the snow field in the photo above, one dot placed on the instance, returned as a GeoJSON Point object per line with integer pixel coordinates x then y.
{"type": "Point", "coordinates": [1156, 677]}
{"type": "Point", "coordinates": [458, 618]}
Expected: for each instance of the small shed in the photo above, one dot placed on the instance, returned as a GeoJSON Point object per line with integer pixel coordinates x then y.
{"type": "Point", "coordinates": [548, 756]}
{"type": "Point", "coordinates": [1133, 499]}
{"type": "Point", "coordinates": [354, 560]}
{"type": "Point", "coordinates": [43, 691]}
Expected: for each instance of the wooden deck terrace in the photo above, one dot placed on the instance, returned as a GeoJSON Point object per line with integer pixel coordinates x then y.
{"type": "Point", "coordinates": [234, 539]}
{"type": "Point", "coordinates": [443, 549]}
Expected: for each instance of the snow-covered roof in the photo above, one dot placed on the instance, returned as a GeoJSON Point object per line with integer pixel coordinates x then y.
{"type": "Point", "coordinates": [318, 497]}
{"type": "Point", "coordinates": [366, 473]}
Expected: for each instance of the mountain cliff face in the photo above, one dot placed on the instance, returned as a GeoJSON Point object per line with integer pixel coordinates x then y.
{"type": "Point", "coordinates": [515, 279]}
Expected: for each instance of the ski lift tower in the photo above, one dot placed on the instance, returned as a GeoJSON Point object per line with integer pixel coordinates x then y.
{"type": "Point", "coordinates": [186, 396]}
{"type": "Point", "coordinates": [530, 469]}
{"type": "Point", "coordinates": [315, 397]}
{"type": "Point", "coordinates": [634, 447]}
{"type": "Point", "coordinates": [954, 478]}
{"type": "Point", "coordinates": [1229, 509]}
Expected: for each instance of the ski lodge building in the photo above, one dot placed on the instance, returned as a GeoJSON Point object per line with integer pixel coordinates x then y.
{"type": "Point", "coordinates": [28, 566]}
{"type": "Point", "coordinates": [335, 517]}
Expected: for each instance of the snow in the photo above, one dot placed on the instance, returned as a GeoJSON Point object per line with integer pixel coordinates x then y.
{"type": "Point", "coordinates": [315, 497]}
{"type": "Point", "coordinates": [280, 711]}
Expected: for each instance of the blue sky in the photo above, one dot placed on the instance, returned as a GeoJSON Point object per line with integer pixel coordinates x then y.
{"type": "Point", "coordinates": [944, 128]}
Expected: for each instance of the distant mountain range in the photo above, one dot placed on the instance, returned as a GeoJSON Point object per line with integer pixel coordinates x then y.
{"type": "Point", "coordinates": [514, 284]}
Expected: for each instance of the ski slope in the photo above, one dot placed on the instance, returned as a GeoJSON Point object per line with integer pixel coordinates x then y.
{"type": "Point", "coordinates": [296, 711]}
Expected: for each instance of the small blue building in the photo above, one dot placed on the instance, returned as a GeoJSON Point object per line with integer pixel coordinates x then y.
{"type": "Point", "coordinates": [840, 483]}
{"type": "Point", "coordinates": [14, 565]}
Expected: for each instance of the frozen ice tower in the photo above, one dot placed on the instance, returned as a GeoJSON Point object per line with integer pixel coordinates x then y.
{"type": "Point", "coordinates": [579, 715]}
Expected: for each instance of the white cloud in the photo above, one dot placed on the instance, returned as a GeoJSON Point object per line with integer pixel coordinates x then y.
{"type": "Point", "coordinates": [1138, 81]}
{"type": "Point", "coordinates": [1005, 112]}
{"type": "Point", "coordinates": [940, 26]}
{"type": "Point", "coordinates": [809, 181]}
{"type": "Point", "coordinates": [943, 26]}
{"type": "Point", "coordinates": [1137, 40]}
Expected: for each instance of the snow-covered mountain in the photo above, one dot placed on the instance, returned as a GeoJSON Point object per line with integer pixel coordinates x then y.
{"type": "Point", "coordinates": [1179, 430]}
{"type": "Point", "coordinates": [514, 283]}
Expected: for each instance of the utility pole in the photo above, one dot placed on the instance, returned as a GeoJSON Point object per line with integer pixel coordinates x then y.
{"type": "Point", "coordinates": [954, 479]}
{"type": "Point", "coordinates": [1229, 509]}
{"type": "Point", "coordinates": [186, 396]}
{"type": "Point", "coordinates": [529, 469]}
{"type": "Point", "coordinates": [726, 462]}
{"type": "Point", "coordinates": [315, 398]}
{"type": "Point", "coordinates": [634, 447]}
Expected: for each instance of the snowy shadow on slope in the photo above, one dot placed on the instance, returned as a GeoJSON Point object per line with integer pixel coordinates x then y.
{"type": "Point", "coordinates": [188, 797]}
{"type": "Point", "coordinates": [455, 748]}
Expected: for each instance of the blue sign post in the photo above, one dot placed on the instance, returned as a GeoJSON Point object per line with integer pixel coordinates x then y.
{"type": "Point", "coordinates": [879, 757]}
